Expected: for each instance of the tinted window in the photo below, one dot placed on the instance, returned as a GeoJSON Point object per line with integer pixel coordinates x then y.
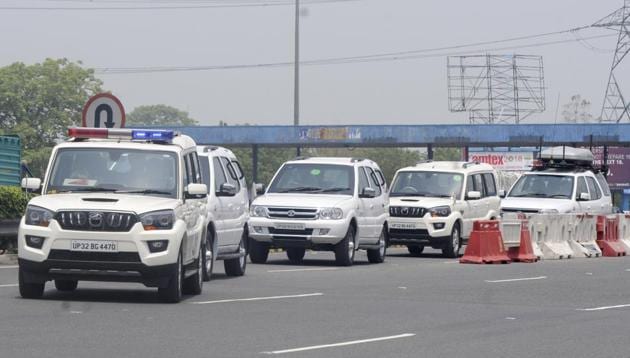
{"type": "Point", "coordinates": [490, 186]}
{"type": "Point", "coordinates": [219, 175]}
{"type": "Point", "coordinates": [205, 171]}
{"type": "Point", "coordinates": [603, 183]}
{"type": "Point", "coordinates": [313, 178]}
{"type": "Point", "coordinates": [596, 194]}
{"type": "Point", "coordinates": [374, 181]}
{"type": "Point", "coordinates": [195, 165]}
{"type": "Point", "coordinates": [432, 184]}
{"type": "Point", "coordinates": [232, 175]}
{"type": "Point", "coordinates": [581, 187]}
{"type": "Point", "coordinates": [188, 169]}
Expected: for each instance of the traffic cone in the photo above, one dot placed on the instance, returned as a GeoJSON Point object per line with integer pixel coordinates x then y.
{"type": "Point", "coordinates": [608, 236]}
{"type": "Point", "coordinates": [485, 245]}
{"type": "Point", "coordinates": [525, 251]}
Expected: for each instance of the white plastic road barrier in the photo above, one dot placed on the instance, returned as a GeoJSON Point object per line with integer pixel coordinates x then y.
{"type": "Point", "coordinates": [586, 236]}
{"type": "Point", "coordinates": [536, 227]}
{"type": "Point", "coordinates": [624, 230]}
{"type": "Point", "coordinates": [511, 230]}
{"type": "Point", "coordinates": [555, 231]}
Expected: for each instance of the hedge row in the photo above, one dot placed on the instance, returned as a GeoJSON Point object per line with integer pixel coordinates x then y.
{"type": "Point", "coordinates": [12, 202]}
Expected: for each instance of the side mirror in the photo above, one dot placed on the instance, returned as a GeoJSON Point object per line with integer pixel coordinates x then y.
{"type": "Point", "coordinates": [502, 193]}
{"type": "Point", "coordinates": [31, 184]}
{"type": "Point", "coordinates": [584, 197]}
{"type": "Point", "coordinates": [473, 195]}
{"type": "Point", "coordinates": [196, 191]}
{"type": "Point", "coordinates": [226, 189]}
{"type": "Point", "coordinates": [260, 188]}
{"type": "Point", "coordinates": [368, 193]}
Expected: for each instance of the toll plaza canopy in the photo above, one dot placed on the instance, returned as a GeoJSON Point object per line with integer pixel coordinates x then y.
{"type": "Point", "coordinates": [412, 135]}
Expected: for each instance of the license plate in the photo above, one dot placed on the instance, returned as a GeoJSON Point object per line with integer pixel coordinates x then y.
{"type": "Point", "coordinates": [402, 226]}
{"type": "Point", "coordinates": [94, 245]}
{"type": "Point", "coordinates": [290, 226]}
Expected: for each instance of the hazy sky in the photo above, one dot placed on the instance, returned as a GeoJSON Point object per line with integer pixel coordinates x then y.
{"type": "Point", "coordinates": [392, 92]}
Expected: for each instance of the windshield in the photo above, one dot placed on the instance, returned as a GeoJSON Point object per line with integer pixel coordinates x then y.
{"type": "Point", "coordinates": [114, 170]}
{"type": "Point", "coordinates": [543, 186]}
{"type": "Point", "coordinates": [314, 179]}
{"type": "Point", "coordinates": [432, 184]}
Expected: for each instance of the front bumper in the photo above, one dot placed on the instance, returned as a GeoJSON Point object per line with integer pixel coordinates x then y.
{"type": "Point", "coordinates": [425, 231]}
{"type": "Point", "coordinates": [315, 232]}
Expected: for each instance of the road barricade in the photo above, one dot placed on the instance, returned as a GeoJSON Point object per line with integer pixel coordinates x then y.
{"type": "Point", "coordinates": [608, 236]}
{"type": "Point", "coordinates": [624, 230]}
{"type": "Point", "coordinates": [517, 239]}
{"type": "Point", "coordinates": [485, 245]}
{"type": "Point", "coordinates": [552, 233]}
{"type": "Point", "coordinates": [585, 244]}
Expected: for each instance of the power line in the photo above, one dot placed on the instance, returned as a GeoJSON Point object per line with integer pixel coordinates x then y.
{"type": "Point", "coordinates": [394, 56]}
{"type": "Point", "coordinates": [266, 3]}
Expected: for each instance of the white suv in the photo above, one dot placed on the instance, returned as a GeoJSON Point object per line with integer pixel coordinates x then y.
{"type": "Point", "coordinates": [435, 204]}
{"type": "Point", "coordinates": [116, 205]}
{"type": "Point", "coordinates": [331, 204]}
{"type": "Point", "coordinates": [227, 211]}
{"type": "Point", "coordinates": [563, 181]}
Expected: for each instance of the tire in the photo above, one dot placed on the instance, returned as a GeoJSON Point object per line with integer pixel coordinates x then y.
{"type": "Point", "coordinates": [208, 257]}
{"type": "Point", "coordinates": [237, 266]}
{"type": "Point", "coordinates": [377, 256]}
{"type": "Point", "coordinates": [30, 290]}
{"type": "Point", "coordinates": [173, 292]}
{"type": "Point", "coordinates": [66, 285]}
{"type": "Point", "coordinates": [345, 249]}
{"type": "Point", "coordinates": [451, 250]}
{"type": "Point", "coordinates": [296, 255]}
{"type": "Point", "coordinates": [258, 252]}
{"type": "Point", "coordinates": [193, 285]}
{"type": "Point", "coordinates": [415, 250]}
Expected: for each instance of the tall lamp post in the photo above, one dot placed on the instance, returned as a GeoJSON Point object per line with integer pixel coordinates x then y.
{"type": "Point", "coordinates": [296, 74]}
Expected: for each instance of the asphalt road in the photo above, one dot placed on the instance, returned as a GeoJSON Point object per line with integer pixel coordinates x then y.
{"type": "Point", "coordinates": [406, 307]}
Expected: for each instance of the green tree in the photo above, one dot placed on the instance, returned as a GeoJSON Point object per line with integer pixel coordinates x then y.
{"type": "Point", "coordinates": [447, 154]}
{"type": "Point", "coordinates": [159, 115]}
{"type": "Point", "coordinates": [38, 102]}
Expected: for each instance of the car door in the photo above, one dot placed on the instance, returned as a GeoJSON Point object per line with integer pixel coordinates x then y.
{"type": "Point", "coordinates": [234, 220]}
{"type": "Point", "coordinates": [193, 209]}
{"type": "Point", "coordinates": [378, 213]}
{"type": "Point", "coordinates": [582, 187]}
{"type": "Point", "coordinates": [469, 214]}
{"type": "Point", "coordinates": [597, 201]}
{"type": "Point", "coordinates": [220, 203]}
{"type": "Point", "coordinates": [492, 202]}
{"type": "Point", "coordinates": [363, 211]}
{"type": "Point", "coordinates": [607, 199]}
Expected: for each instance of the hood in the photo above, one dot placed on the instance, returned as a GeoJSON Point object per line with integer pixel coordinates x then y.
{"type": "Point", "coordinates": [422, 202]}
{"type": "Point", "coordinates": [302, 200]}
{"type": "Point", "coordinates": [562, 205]}
{"type": "Point", "coordinates": [104, 201]}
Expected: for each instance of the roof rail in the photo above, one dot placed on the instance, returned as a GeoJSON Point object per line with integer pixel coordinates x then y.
{"type": "Point", "coordinates": [301, 158]}
{"type": "Point", "coordinates": [424, 161]}
{"type": "Point", "coordinates": [467, 164]}
{"type": "Point", "coordinates": [354, 160]}
{"type": "Point", "coordinates": [210, 148]}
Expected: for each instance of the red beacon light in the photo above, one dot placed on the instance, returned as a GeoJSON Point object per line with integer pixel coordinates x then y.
{"type": "Point", "coordinates": [125, 134]}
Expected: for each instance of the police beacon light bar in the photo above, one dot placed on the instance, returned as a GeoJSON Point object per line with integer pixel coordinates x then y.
{"type": "Point", "coordinates": [128, 134]}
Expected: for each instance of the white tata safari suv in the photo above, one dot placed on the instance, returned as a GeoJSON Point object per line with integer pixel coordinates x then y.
{"type": "Point", "coordinates": [228, 210]}
{"type": "Point", "coordinates": [562, 181]}
{"type": "Point", "coordinates": [435, 204]}
{"type": "Point", "coordinates": [332, 204]}
{"type": "Point", "coordinates": [116, 205]}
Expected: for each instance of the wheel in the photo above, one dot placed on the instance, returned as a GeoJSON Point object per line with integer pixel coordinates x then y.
{"type": "Point", "coordinates": [173, 292]}
{"type": "Point", "coordinates": [193, 285]}
{"type": "Point", "coordinates": [66, 285]}
{"type": "Point", "coordinates": [236, 267]}
{"type": "Point", "coordinates": [207, 255]}
{"type": "Point", "coordinates": [30, 290]}
{"type": "Point", "coordinates": [344, 250]}
{"type": "Point", "coordinates": [454, 242]}
{"type": "Point", "coordinates": [415, 250]}
{"type": "Point", "coordinates": [377, 256]}
{"type": "Point", "coordinates": [296, 255]}
{"type": "Point", "coordinates": [258, 251]}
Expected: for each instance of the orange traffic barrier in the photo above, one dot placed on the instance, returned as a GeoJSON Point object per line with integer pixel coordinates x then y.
{"type": "Point", "coordinates": [608, 236]}
{"type": "Point", "coordinates": [485, 245]}
{"type": "Point", "coordinates": [525, 251]}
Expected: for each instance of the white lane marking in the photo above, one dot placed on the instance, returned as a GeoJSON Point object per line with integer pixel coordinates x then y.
{"type": "Point", "coordinates": [10, 285]}
{"type": "Point", "coordinates": [601, 308]}
{"type": "Point", "coordinates": [341, 344]}
{"type": "Point", "coordinates": [306, 269]}
{"type": "Point", "coordinates": [510, 318]}
{"type": "Point", "coordinates": [589, 274]}
{"type": "Point", "coordinates": [518, 279]}
{"type": "Point", "coordinates": [259, 298]}
{"type": "Point", "coordinates": [403, 287]}
{"type": "Point", "coordinates": [450, 262]}
{"type": "Point", "coordinates": [8, 267]}
{"type": "Point", "coordinates": [628, 270]}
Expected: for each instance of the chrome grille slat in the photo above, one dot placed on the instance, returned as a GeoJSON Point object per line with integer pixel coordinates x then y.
{"type": "Point", "coordinates": [94, 220]}
{"type": "Point", "coordinates": [292, 213]}
{"type": "Point", "coordinates": [407, 211]}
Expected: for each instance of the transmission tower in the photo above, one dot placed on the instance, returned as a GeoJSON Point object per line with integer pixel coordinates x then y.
{"type": "Point", "coordinates": [496, 88]}
{"type": "Point", "coordinates": [615, 107]}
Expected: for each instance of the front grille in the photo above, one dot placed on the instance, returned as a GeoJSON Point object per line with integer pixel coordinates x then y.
{"type": "Point", "coordinates": [414, 232]}
{"type": "Point", "coordinates": [406, 212]}
{"type": "Point", "coordinates": [292, 213]}
{"type": "Point", "coordinates": [275, 231]}
{"type": "Point", "coordinates": [96, 221]}
{"type": "Point", "coordinates": [67, 255]}
{"type": "Point", "coordinates": [513, 210]}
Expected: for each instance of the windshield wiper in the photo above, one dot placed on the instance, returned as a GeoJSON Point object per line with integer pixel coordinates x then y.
{"type": "Point", "coordinates": [299, 189]}
{"type": "Point", "coordinates": [143, 191]}
{"type": "Point", "coordinates": [559, 196]}
{"type": "Point", "coordinates": [87, 189]}
{"type": "Point", "coordinates": [408, 194]}
{"type": "Point", "coordinates": [330, 190]}
{"type": "Point", "coordinates": [530, 195]}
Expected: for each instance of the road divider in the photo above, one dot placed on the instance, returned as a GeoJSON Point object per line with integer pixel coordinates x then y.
{"type": "Point", "coordinates": [608, 236]}
{"type": "Point", "coordinates": [485, 245]}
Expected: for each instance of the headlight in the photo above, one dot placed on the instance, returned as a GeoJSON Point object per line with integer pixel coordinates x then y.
{"type": "Point", "coordinates": [158, 220]}
{"type": "Point", "coordinates": [258, 211]}
{"type": "Point", "coordinates": [440, 211]}
{"type": "Point", "coordinates": [330, 213]}
{"type": "Point", "coordinates": [38, 216]}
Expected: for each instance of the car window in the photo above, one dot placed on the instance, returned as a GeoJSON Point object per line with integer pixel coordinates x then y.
{"type": "Point", "coordinates": [205, 170]}
{"type": "Point", "coordinates": [470, 184]}
{"type": "Point", "coordinates": [543, 186]}
{"type": "Point", "coordinates": [363, 180]}
{"type": "Point", "coordinates": [427, 183]}
{"type": "Point", "coordinates": [195, 166]}
{"type": "Point", "coordinates": [596, 194]}
{"type": "Point", "coordinates": [314, 178]}
{"type": "Point", "coordinates": [219, 175]}
{"type": "Point", "coordinates": [374, 181]}
{"type": "Point", "coordinates": [489, 184]}
{"type": "Point", "coordinates": [603, 183]}
{"type": "Point", "coordinates": [381, 177]}
{"type": "Point", "coordinates": [478, 180]}
{"type": "Point", "coordinates": [581, 187]}
{"type": "Point", "coordinates": [189, 170]}
{"type": "Point", "coordinates": [232, 175]}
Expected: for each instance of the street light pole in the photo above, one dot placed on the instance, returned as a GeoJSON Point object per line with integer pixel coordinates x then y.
{"type": "Point", "coordinates": [296, 74]}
